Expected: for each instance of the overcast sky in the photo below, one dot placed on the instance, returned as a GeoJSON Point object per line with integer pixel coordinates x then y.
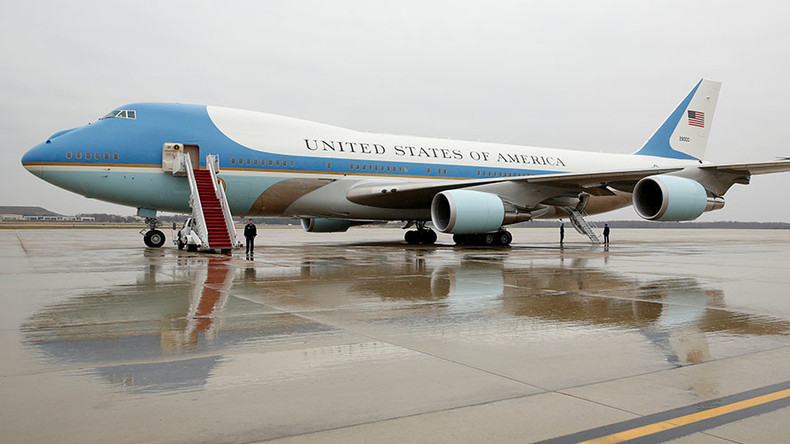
{"type": "Point", "coordinates": [596, 76]}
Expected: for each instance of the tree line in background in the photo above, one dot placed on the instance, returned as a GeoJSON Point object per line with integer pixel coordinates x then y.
{"type": "Point", "coordinates": [178, 219]}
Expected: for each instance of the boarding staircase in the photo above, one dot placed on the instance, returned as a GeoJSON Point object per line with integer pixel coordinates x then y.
{"type": "Point", "coordinates": [210, 209]}
{"type": "Point", "coordinates": [581, 224]}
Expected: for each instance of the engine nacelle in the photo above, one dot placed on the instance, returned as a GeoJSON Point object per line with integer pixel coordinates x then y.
{"type": "Point", "coordinates": [325, 225]}
{"type": "Point", "coordinates": [467, 212]}
{"type": "Point", "coordinates": [672, 198]}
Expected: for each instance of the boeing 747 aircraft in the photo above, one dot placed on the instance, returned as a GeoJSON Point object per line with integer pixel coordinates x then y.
{"type": "Point", "coordinates": [333, 178]}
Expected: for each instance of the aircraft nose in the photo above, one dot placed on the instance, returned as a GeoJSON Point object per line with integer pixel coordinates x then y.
{"type": "Point", "coordinates": [52, 150]}
{"type": "Point", "coordinates": [34, 159]}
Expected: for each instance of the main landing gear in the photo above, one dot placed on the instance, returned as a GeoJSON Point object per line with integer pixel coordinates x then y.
{"type": "Point", "coordinates": [421, 235]}
{"type": "Point", "coordinates": [501, 238]}
{"type": "Point", "coordinates": [151, 236]}
{"type": "Point", "coordinates": [426, 236]}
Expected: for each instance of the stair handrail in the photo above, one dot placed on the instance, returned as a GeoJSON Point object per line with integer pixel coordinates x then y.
{"type": "Point", "coordinates": [584, 199]}
{"type": "Point", "coordinates": [212, 161]}
{"type": "Point", "coordinates": [194, 202]}
{"type": "Point", "coordinates": [581, 224]}
{"type": "Point", "coordinates": [590, 225]}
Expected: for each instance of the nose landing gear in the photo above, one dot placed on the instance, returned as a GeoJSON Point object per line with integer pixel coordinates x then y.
{"type": "Point", "coordinates": [151, 236]}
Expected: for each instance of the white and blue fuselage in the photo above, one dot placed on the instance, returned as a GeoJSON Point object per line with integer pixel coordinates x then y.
{"type": "Point", "coordinates": [119, 160]}
{"type": "Point", "coordinates": [272, 165]}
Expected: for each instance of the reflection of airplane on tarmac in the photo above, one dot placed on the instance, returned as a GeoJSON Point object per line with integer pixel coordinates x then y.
{"type": "Point", "coordinates": [333, 178]}
{"type": "Point", "coordinates": [185, 317]}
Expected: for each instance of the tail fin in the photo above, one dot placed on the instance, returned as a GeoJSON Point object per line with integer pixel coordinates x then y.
{"type": "Point", "coordinates": [684, 135]}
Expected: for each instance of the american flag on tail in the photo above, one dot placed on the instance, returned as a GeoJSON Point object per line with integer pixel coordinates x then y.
{"type": "Point", "coordinates": [696, 118]}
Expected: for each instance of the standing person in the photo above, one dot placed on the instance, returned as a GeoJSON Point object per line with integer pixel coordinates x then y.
{"type": "Point", "coordinates": [606, 234]}
{"type": "Point", "coordinates": [249, 233]}
{"type": "Point", "coordinates": [562, 233]}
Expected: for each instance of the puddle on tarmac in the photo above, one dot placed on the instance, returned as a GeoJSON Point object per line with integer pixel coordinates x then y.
{"type": "Point", "coordinates": [186, 318]}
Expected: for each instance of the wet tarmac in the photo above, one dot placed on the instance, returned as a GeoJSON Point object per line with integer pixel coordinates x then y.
{"type": "Point", "coordinates": [356, 337]}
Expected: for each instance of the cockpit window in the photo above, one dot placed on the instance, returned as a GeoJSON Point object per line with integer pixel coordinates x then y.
{"type": "Point", "coordinates": [121, 113]}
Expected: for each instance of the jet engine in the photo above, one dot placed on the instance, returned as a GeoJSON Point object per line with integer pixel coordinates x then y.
{"type": "Point", "coordinates": [467, 212]}
{"type": "Point", "coordinates": [672, 198]}
{"type": "Point", "coordinates": [325, 225]}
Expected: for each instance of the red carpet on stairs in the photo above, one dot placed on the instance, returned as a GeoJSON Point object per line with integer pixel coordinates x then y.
{"type": "Point", "coordinates": [218, 236]}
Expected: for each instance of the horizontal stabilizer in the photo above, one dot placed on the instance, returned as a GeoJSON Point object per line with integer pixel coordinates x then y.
{"type": "Point", "coordinates": [752, 168]}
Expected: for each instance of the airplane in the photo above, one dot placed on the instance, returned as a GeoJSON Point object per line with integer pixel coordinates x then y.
{"type": "Point", "coordinates": [334, 178]}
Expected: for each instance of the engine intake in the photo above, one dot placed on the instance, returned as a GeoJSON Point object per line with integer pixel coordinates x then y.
{"type": "Point", "coordinates": [672, 198]}
{"type": "Point", "coordinates": [325, 225]}
{"type": "Point", "coordinates": [467, 212]}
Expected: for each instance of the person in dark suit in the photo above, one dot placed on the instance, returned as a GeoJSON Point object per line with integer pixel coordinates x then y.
{"type": "Point", "coordinates": [606, 234]}
{"type": "Point", "coordinates": [562, 233]}
{"type": "Point", "coordinates": [249, 234]}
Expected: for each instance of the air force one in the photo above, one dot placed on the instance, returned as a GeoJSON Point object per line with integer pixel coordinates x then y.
{"type": "Point", "coordinates": [217, 162]}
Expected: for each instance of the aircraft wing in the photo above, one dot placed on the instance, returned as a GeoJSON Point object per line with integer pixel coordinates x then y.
{"type": "Point", "coordinates": [420, 194]}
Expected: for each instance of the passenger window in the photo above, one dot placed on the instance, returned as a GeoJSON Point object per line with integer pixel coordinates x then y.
{"type": "Point", "coordinates": [106, 156]}
{"type": "Point", "coordinates": [255, 162]}
{"type": "Point", "coordinates": [248, 161]}
{"type": "Point", "coordinates": [233, 161]}
{"type": "Point", "coordinates": [115, 156]}
{"type": "Point", "coordinates": [96, 156]}
{"type": "Point", "coordinates": [68, 155]}
{"type": "Point", "coordinates": [277, 163]}
{"type": "Point", "coordinates": [328, 165]}
{"type": "Point", "coordinates": [270, 162]}
{"type": "Point", "coordinates": [292, 163]}
{"type": "Point", "coordinates": [79, 156]}
{"type": "Point", "coordinates": [87, 156]}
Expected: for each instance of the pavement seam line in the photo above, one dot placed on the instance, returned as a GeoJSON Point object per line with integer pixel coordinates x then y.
{"type": "Point", "coordinates": [21, 244]}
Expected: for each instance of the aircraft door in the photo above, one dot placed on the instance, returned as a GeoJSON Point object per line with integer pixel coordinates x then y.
{"type": "Point", "coordinates": [194, 155]}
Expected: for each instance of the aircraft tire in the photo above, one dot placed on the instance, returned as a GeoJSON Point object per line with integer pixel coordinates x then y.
{"type": "Point", "coordinates": [504, 238]}
{"type": "Point", "coordinates": [154, 238]}
{"type": "Point", "coordinates": [180, 244]}
{"type": "Point", "coordinates": [412, 237]}
{"type": "Point", "coordinates": [500, 238]}
{"type": "Point", "coordinates": [191, 248]}
{"type": "Point", "coordinates": [428, 237]}
{"type": "Point", "coordinates": [487, 239]}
